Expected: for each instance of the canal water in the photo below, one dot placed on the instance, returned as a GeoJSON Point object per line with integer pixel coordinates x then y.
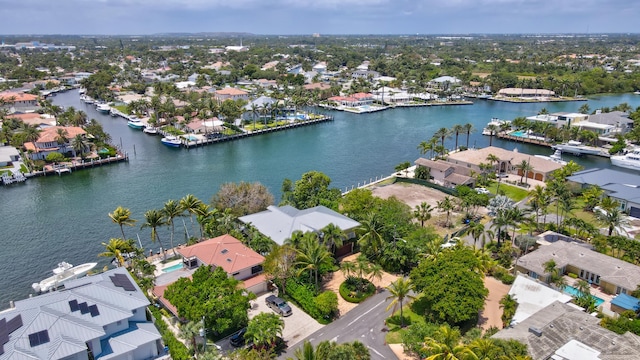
{"type": "Point", "coordinates": [65, 218]}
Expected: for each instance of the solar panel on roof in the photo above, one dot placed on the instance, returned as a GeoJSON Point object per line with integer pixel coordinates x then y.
{"type": "Point", "coordinates": [6, 328]}
{"type": "Point", "coordinates": [83, 308]}
{"type": "Point", "coordinates": [73, 305]}
{"type": "Point", "coordinates": [93, 309]}
{"type": "Point", "coordinates": [39, 338]}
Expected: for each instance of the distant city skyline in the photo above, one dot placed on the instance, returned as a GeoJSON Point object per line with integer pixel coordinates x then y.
{"type": "Point", "coordinates": [290, 17]}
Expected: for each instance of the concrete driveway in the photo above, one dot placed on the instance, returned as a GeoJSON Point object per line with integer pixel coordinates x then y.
{"type": "Point", "coordinates": [296, 327]}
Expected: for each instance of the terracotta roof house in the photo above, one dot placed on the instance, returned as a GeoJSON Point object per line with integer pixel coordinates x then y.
{"type": "Point", "coordinates": [18, 101]}
{"type": "Point", "coordinates": [232, 255]}
{"type": "Point", "coordinates": [563, 332]}
{"type": "Point", "coordinates": [33, 118]}
{"type": "Point", "coordinates": [613, 275]}
{"type": "Point", "coordinates": [278, 223]}
{"type": "Point", "coordinates": [230, 93]}
{"type": "Point", "coordinates": [447, 174]}
{"type": "Point", "coordinates": [508, 160]}
{"type": "Point", "coordinates": [48, 142]}
{"type": "Point", "coordinates": [95, 317]}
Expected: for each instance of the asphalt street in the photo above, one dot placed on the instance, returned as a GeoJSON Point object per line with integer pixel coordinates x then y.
{"type": "Point", "coordinates": [364, 323]}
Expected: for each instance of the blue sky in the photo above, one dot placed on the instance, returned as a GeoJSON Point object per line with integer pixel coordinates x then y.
{"type": "Point", "coordinates": [319, 16]}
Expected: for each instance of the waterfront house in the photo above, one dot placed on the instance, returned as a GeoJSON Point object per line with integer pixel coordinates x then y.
{"type": "Point", "coordinates": [230, 93]}
{"type": "Point", "coordinates": [618, 119]}
{"type": "Point", "coordinates": [612, 275]}
{"type": "Point", "coordinates": [35, 119]}
{"type": "Point", "coordinates": [618, 185]}
{"type": "Point", "coordinates": [446, 174]}
{"type": "Point", "coordinates": [8, 154]}
{"type": "Point", "coordinates": [525, 93]}
{"type": "Point", "coordinates": [564, 332]}
{"type": "Point", "coordinates": [19, 102]}
{"type": "Point", "coordinates": [472, 158]}
{"type": "Point", "coordinates": [278, 223]}
{"type": "Point", "coordinates": [533, 296]}
{"type": "Point", "coordinates": [355, 100]}
{"type": "Point", "coordinates": [96, 317]}
{"type": "Point", "coordinates": [49, 142]}
{"type": "Point", "coordinates": [229, 253]}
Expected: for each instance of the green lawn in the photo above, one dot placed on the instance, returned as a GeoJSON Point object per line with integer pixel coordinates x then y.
{"type": "Point", "coordinates": [513, 192]}
{"type": "Point", "coordinates": [121, 108]}
{"type": "Point", "coordinates": [394, 336]}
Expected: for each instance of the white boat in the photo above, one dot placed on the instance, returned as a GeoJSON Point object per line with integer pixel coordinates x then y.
{"type": "Point", "coordinates": [135, 123]}
{"type": "Point", "coordinates": [62, 273]}
{"type": "Point", "coordinates": [576, 148]}
{"type": "Point", "coordinates": [82, 91]}
{"type": "Point", "coordinates": [87, 99]}
{"type": "Point", "coordinates": [103, 108]}
{"type": "Point", "coordinates": [494, 121]}
{"type": "Point", "coordinates": [630, 160]}
{"type": "Point", "coordinates": [556, 157]}
{"type": "Point", "coordinates": [150, 130]}
{"type": "Point", "coordinates": [637, 92]}
{"type": "Point", "coordinates": [171, 141]}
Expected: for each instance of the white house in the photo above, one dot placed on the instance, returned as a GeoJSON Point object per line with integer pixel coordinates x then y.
{"type": "Point", "coordinates": [96, 317]}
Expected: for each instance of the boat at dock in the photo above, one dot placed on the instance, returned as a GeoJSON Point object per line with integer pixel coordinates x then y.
{"type": "Point", "coordinates": [150, 130]}
{"type": "Point", "coordinates": [576, 148]}
{"type": "Point", "coordinates": [630, 160]}
{"type": "Point", "coordinates": [103, 108]}
{"type": "Point", "coordinates": [135, 123]}
{"type": "Point", "coordinates": [494, 121]}
{"type": "Point", "coordinates": [86, 99]}
{"type": "Point", "coordinates": [171, 141]}
{"type": "Point", "coordinates": [556, 157]}
{"type": "Point", "coordinates": [62, 273]}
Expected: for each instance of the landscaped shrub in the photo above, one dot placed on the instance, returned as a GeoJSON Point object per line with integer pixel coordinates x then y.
{"type": "Point", "coordinates": [356, 290]}
{"type": "Point", "coordinates": [572, 275]}
{"type": "Point", "coordinates": [327, 304]}
{"type": "Point", "coordinates": [322, 307]}
{"type": "Point", "coordinates": [177, 349]}
{"type": "Point", "coordinates": [503, 275]}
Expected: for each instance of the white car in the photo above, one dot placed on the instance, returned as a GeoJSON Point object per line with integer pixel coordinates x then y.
{"type": "Point", "coordinates": [481, 190]}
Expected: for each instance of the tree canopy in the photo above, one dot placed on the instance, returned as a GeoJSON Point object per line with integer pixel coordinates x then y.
{"type": "Point", "coordinates": [311, 190]}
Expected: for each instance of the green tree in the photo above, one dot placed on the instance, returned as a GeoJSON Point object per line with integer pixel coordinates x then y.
{"type": "Point", "coordinates": [447, 206]}
{"type": "Point", "coordinates": [399, 289]}
{"type": "Point", "coordinates": [445, 345]}
{"type": "Point", "coordinates": [153, 219]}
{"type": "Point", "coordinates": [457, 129]}
{"type": "Point", "coordinates": [332, 236]}
{"type": "Point", "coordinates": [442, 134]}
{"type": "Point", "coordinates": [312, 255]}
{"type": "Point", "coordinates": [468, 129]}
{"type": "Point", "coordinates": [264, 329]}
{"type": "Point", "coordinates": [191, 205]}
{"type": "Point", "coordinates": [279, 264]}
{"type": "Point", "coordinates": [311, 190]}
{"type": "Point", "coordinates": [403, 166]}
{"type": "Point", "coordinates": [371, 240]}
{"type": "Point", "coordinates": [122, 217]}
{"type": "Point", "coordinates": [422, 212]}
{"type": "Point", "coordinates": [171, 211]}
{"type": "Point", "coordinates": [508, 304]}
{"type": "Point", "coordinates": [115, 248]}
{"type": "Point", "coordinates": [242, 198]}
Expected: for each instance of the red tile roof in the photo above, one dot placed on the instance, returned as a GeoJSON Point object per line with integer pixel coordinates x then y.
{"type": "Point", "coordinates": [230, 91]}
{"type": "Point", "coordinates": [224, 251]}
{"type": "Point", "coordinates": [14, 96]}
{"type": "Point", "coordinates": [51, 133]}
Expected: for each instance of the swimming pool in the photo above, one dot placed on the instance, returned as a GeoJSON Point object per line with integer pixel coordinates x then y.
{"type": "Point", "coordinates": [519, 133]}
{"type": "Point", "coordinates": [191, 138]}
{"type": "Point", "coordinates": [575, 292]}
{"type": "Point", "coordinates": [172, 268]}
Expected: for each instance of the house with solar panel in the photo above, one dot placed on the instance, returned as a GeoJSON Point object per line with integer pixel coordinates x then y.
{"type": "Point", "coordinates": [96, 317]}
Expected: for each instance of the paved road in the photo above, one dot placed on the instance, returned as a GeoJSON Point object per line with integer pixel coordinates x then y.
{"type": "Point", "coordinates": [364, 323]}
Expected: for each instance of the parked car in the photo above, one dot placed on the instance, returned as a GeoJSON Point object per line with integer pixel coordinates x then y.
{"type": "Point", "coordinates": [237, 339]}
{"type": "Point", "coordinates": [278, 305]}
{"type": "Point", "coordinates": [481, 190]}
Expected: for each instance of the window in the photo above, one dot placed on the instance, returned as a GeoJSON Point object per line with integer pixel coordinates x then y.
{"type": "Point", "coordinates": [235, 273]}
{"type": "Point", "coordinates": [256, 269]}
{"type": "Point", "coordinates": [135, 311]}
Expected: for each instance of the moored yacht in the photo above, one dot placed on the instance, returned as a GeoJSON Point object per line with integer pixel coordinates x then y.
{"type": "Point", "coordinates": [171, 141]}
{"type": "Point", "coordinates": [556, 157]}
{"type": "Point", "coordinates": [494, 121]}
{"type": "Point", "coordinates": [150, 130]}
{"type": "Point", "coordinates": [630, 160]}
{"type": "Point", "coordinates": [135, 123]}
{"type": "Point", "coordinates": [62, 273]}
{"type": "Point", "coordinates": [103, 108]}
{"type": "Point", "coordinates": [576, 148]}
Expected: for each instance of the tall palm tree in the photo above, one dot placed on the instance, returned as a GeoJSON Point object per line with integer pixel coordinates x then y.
{"type": "Point", "coordinates": [153, 219]}
{"type": "Point", "coordinates": [171, 210]}
{"type": "Point", "coordinates": [493, 159]}
{"type": "Point", "coordinates": [122, 217]}
{"type": "Point", "coordinates": [78, 145]}
{"type": "Point", "coordinates": [447, 206]}
{"type": "Point", "coordinates": [493, 129]}
{"type": "Point", "coordinates": [442, 133]}
{"type": "Point", "coordinates": [61, 136]}
{"type": "Point", "coordinates": [332, 236]}
{"type": "Point", "coordinates": [468, 128]}
{"type": "Point", "coordinates": [189, 332]}
{"type": "Point", "coordinates": [115, 248]}
{"type": "Point", "coordinates": [312, 255]}
{"type": "Point", "coordinates": [191, 205]}
{"type": "Point", "coordinates": [422, 212]}
{"type": "Point", "coordinates": [306, 352]}
{"type": "Point", "coordinates": [457, 129]}
{"type": "Point", "coordinates": [445, 346]}
{"type": "Point", "coordinates": [525, 167]}
{"type": "Point", "coordinates": [204, 214]}
{"type": "Point", "coordinates": [475, 229]}
{"type": "Point", "coordinates": [400, 289]}
{"type": "Point", "coordinates": [613, 219]}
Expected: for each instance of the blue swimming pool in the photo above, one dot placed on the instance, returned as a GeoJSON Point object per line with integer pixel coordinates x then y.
{"type": "Point", "coordinates": [191, 138]}
{"type": "Point", "coordinates": [171, 268]}
{"type": "Point", "coordinates": [519, 133]}
{"type": "Point", "coordinates": [575, 292]}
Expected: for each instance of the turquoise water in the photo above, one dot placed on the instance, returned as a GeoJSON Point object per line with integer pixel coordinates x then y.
{"type": "Point", "coordinates": [191, 138]}
{"type": "Point", "coordinates": [519, 133]}
{"type": "Point", "coordinates": [65, 218]}
{"type": "Point", "coordinates": [575, 292]}
{"type": "Point", "coordinates": [172, 268]}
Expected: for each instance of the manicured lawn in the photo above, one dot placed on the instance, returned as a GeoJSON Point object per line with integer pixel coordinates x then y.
{"type": "Point", "coordinates": [121, 108]}
{"type": "Point", "coordinates": [513, 192]}
{"type": "Point", "coordinates": [394, 336]}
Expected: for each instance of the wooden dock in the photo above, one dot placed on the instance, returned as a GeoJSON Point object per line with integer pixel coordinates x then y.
{"type": "Point", "coordinates": [72, 166]}
{"type": "Point", "coordinates": [523, 139]}
{"type": "Point", "coordinates": [224, 138]}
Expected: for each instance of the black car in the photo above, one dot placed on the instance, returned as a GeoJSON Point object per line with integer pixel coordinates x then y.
{"type": "Point", "coordinates": [237, 339]}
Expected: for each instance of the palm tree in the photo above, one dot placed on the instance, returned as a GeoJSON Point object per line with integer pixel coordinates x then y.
{"type": "Point", "coordinates": [264, 329]}
{"type": "Point", "coordinates": [61, 136]}
{"type": "Point", "coordinates": [347, 268]}
{"type": "Point", "coordinates": [493, 129]}
{"type": "Point", "coordinates": [370, 234]}
{"type": "Point", "coordinates": [122, 217]}
{"type": "Point", "coordinates": [171, 210]}
{"type": "Point", "coordinates": [475, 229]}
{"type": "Point", "coordinates": [442, 133]}
{"type": "Point", "coordinates": [189, 332]}
{"type": "Point", "coordinates": [190, 204]}
{"type": "Point", "coordinates": [457, 129]}
{"type": "Point", "coordinates": [524, 168]}
{"type": "Point", "coordinates": [614, 219]}
{"type": "Point", "coordinates": [306, 352]}
{"type": "Point", "coordinates": [399, 289]}
{"type": "Point", "coordinates": [312, 255]}
{"type": "Point", "coordinates": [78, 145]}
{"type": "Point", "coordinates": [375, 272]}
{"type": "Point", "coordinates": [445, 346]}
{"type": "Point", "coordinates": [153, 219]}
{"type": "Point", "coordinates": [426, 146]}
{"type": "Point", "coordinates": [332, 236]}
{"type": "Point", "coordinates": [447, 206]}
{"type": "Point", "coordinates": [115, 248]}
{"type": "Point", "coordinates": [484, 349]}
{"type": "Point", "coordinates": [468, 128]}
{"type": "Point", "coordinates": [422, 212]}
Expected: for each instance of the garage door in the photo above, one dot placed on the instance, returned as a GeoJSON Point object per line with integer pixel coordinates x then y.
{"type": "Point", "coordinates": [635, 212]}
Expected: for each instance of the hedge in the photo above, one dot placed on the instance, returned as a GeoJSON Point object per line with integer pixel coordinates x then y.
{"type": "Point", "coordinates": [306, 299]}
{"type": "Point", "coordinates": [345, 292]}
{"type": "Point", "coordinates": [177, 349]}
{"type": "Point", "coordinates": [503, 275]}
